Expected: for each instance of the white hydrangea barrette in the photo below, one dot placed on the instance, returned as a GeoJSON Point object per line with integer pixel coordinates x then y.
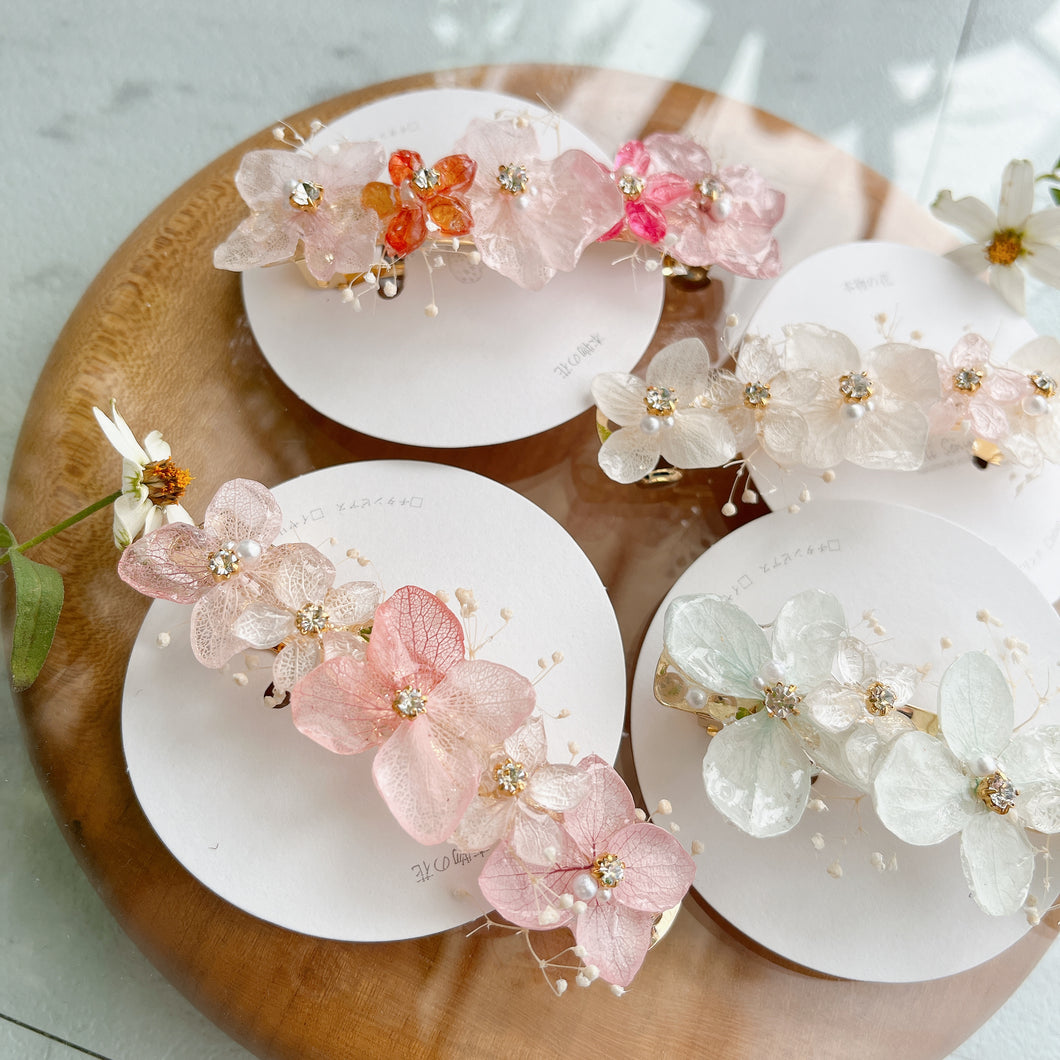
{"type": "Point", "coordinates": [352, 215]}
{"type": "Point", "coordinates": [460, 750]}
{"type": "Point", "coordinates": [811, 698]}
{"type": "Point", "coordinates": [816, 401]}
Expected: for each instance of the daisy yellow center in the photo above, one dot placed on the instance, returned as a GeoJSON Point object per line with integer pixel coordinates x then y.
{"type": "Point", "coordinates": [1006, 247]}
{"type": "Point", "coordinates": [997, 792]}
{"type": "Point", "coordinates": [165, 482]}
{"type": "Point", "coordinates": [409, 702]}
{"type": "Point", "coordinates": [511, 777]}
{"type": "Point", "coordinates": [609, 870]}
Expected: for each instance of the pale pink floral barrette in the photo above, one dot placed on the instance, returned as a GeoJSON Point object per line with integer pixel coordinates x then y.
{"type": "Point", "coordinates": [810, 698]}
{"type": "Point", "coordinates": [460, 753]}
{"type": "Point", "coordinates": [353, 215]}
{"type": "Point", "coordinates": [816, 401]}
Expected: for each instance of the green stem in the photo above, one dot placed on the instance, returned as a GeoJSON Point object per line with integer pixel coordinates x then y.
{"type": "Point", "coordinates": [59, 527]}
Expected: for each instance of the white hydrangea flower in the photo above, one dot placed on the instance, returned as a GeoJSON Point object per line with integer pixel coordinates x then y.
{"type": "Point", "coordinates": [977, 779]}
{"type": "Point", "coordinates": [870, 408]}
{"type": "Point", "coordinates": [662, 417]}
{"type": "Point", "coordinates": [1008, 239]}
{"type": "Point", "coordinates": [756, 770]}
{"type": "Point", "coordinates": [1035, 421]}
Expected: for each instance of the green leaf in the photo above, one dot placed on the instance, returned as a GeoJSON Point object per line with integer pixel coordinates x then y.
{"type": "Point", "coordinates": [7, 539]}
{"type": "Point", "coordinates": [1055, 193]}
{"type": "Point", "coordinates": [38, 601]}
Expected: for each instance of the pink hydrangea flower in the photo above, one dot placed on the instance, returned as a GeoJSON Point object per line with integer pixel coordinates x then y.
{"type": "Point", "coordinates": [304, 611]}
{"type": "Point", "coordinates": [431, 711]}
{"type": "Point", "coordinates": [534, 217]}
{"type": "Point", "coordinates": [621, 873]}
{"type": "Point", "coordinates": [648, 189]}
{"type": "Point", "coordinates": [520, 797]}
{"type": "Point", "coordinates": [214, 567]}
{"type": "Point", "coordinates": [309, 198]}
{"type": "Point", "coordinates": [729, 217]}
{"type": "Point", "coordinates": [975, 392]}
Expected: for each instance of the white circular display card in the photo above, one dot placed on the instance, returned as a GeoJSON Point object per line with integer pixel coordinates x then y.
{"type": "Point", "coordinates": [297, 835]}
{"type": "Point", "coordinates": [923, 578]}
{"type": "Point", "coordinates": [844, 288]}
{"type": "Point", "coordinates": [498, 362]}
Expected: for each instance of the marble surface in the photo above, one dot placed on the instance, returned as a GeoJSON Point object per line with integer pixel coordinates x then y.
{"type": "Point", "coordinates": [110, 107]}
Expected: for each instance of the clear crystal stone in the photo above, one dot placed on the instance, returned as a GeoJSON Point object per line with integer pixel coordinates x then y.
{"type": "Point", "coordinates": [311, 619]}
{"type": "Point", "coordinates": [305, 195]}
{"type": "Point", "coordinates": [223, 563]}
{"type": "Point", "coordinates": [1044, 384]}
{"type": "Point", "coordinates": [660, 400]}
{"type": "Point", "coordinates": [608, 870]}
{"type": "Point", "coordinates": [781, 700]}
{"type": "Point", "coordinates": [968, 379]}
{"type": "Point", "coordinates": [512, 178]}
{"type": "Point", "coordinates": [997, 792]}
{"type": "Point", "coordinates": [511, 777]}
{"type": "Point", "coordinates": [409, 702]}
{"type": "Point", "coordinates": [426, 178]}
{"type": "Point", "coordinates": [756, 395]}
{"type": "Point", "coordinates": [880, 699]}
{"type": "Point", "coordinates": [855, 387]}
{"type": "Point", "coordinates": [711, 188]}
{"type": "Point", "coordinates": [630, 185]}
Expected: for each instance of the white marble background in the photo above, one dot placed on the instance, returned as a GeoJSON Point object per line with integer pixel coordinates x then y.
{"type": "Point", "coordinates": [109, 106]}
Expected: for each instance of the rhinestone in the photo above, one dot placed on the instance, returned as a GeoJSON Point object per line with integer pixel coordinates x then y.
{"type": "Point", "coordinates": [223, 563]}
{"type": "Point", "coordinates": [781, 700]}
{"type": "Point", "coordinates": [968, 379]}
{"type": "Point", "coordinates": [409, 702]}
{"type": "Point", "coordinates": [512, 178]}
{"type": "Point", "coordinates": [855, 387]}
{"type": "Point", "coordinates": [511, 777]}
{"type": "Point", "coordinates": [880, 699]}
{"type": "Point", "coordinates": [1044, 384]}
{"type": "Point", "coordinates": [711, 188]}
{"type": "Point", "coordinates": [311, 619]}
{"type": "Point", "coordinates": [756, 395]}
{"type": "Point", "coordinates": [608, 870]}
{"type": "Point", "coordinates": [997, 792]}
{"type": "Point", "coordinates": [630, 185]}
{"type": "Point", "coordinates": [660, 400]}
{"type": "Point", "coordinates": [425, 179]}
{"type": "Point", "coordinates": [305, 195]}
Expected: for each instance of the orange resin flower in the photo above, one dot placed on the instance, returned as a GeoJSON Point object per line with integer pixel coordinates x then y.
{"type": "Point", "coordinates": [420, 195]}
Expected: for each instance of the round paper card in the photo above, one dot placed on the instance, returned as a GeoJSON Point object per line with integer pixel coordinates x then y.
{"type": "Point", "coordinates": [451, 380]}
{"type": "Point", "coordinates": [879, 292]}
{"type": "Point", "coordinates": [839, 893]}
{"type": "Point", "coordinates": [299, 836]}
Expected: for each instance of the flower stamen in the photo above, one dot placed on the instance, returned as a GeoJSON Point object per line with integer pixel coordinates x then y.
{"type": "Point", "coordinates": [1006, 247]}
{"type": "Point", "coordinates": [165, 482]}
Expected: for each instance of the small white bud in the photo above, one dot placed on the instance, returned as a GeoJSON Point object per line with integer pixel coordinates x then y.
{"type": "Point", "coordinates": [557, 657]}
{"type": "Point", "coordinates": [835, 870]}
{"type": "Point", "coordinates": [817, 805]}
{"type": "Point", "coordinates": [582, 980]}
{"type": "Point", "coordinates": [664, 807]}
{"type": "Point", "coordinates": [640, 815]}
{"type": "Point", "coordinates": [728, 508]}
{"type": "Point", "coordinates": [561, 987]}
{"type": "Point", "coordinates": [506, 614]}
{"type": "Point", "coordinates": [828, 476]}
{"type": "Point", "coordinates": [430, 310]}
{"type": "Point", "coordinates": [697, 847]}
{"type": "Point", "coordinates": [818, 841]}
{"type": "Point", "coordinates": [617, 990]}
{"type": "Point", "coordinates": [573, 748]}
{"type": "Point", "coordinates": [162, 640]}
{"type": "Point", "coordinates": [240, 679]}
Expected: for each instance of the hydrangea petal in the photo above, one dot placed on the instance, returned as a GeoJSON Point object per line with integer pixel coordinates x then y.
{"type": "Point", "coordinates": [921, 793]}
{"type": "Point", "coordinates": [415, 639]}
{"type": "Point", "coordinates": [523, 893]}
{"type": "Point", "coordinates": [976, 711]}
{"type": "Point", "coordinates": [170, 564]}
{"type": "Point", "coordinates": [893, 437]}
{"type": "Point", "coordinates": [628, 454]}
{"type": "Point", "coordinates": [698, 438]}
{"type": "Point", "coordinates": [908, 372]}
{"type": "Point", "coordinates": [684, 366]}
{"type": "Point", "coordinates": [658, 870]}
{"type": "Point", "coordinates": [352, 603]}
{"type": "Point", "coordinates": [757, 775]}
{"type": "Point", "coordinates": [716, 644]}
{"type": "Point", "coordinates": [806, 636]}
{"type": "Point", "coordinates": [558, 787]}
{"type": "Point", "coordinates": [616, 940]}
{"type": "Point", "coordinates": [620, 397]}
{"type": "Point", "coordinates": [998, 862]}
{"type": "Point", "coordinates": [212, 618]}
{"type": "Point", "coordinates": [295, 660]}
{"type": "Point", "coordinates": [263, 625]}
{"type": "Point", "coordinates": [606, 807]}
{"type": "Point", "coordinates": [296, 574]}
{"type": "Point", "coordinates": [480, 702]}
{"type": "Point", "coordinates": [243, 509]}
{"type": "Point", "coordinates": [810, 347]}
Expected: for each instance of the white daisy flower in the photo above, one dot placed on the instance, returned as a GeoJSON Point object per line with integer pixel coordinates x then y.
{"type": "Point", "coordinates": [152, 485]}
{"type": "Point", "coordinates": [1008, 239]}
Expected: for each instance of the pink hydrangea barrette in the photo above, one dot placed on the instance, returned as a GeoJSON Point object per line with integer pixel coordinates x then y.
{"type": "Point", "coordinates": [353, 216]}
{"type": "Point", "coordinates": [460, 752]}
{"type": "Point", "coordinates": [812, 698]}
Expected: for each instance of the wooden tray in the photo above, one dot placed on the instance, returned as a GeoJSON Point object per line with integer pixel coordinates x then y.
{"type": "Point", "coordinates": [165, 334]}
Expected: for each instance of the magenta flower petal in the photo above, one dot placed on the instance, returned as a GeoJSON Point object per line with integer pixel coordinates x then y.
{"type": "Point", "coordinates": [645, 221]}
{"type": "Point", "coordinates": [634, 155]}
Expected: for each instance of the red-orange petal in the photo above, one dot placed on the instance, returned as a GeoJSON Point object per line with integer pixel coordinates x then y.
{"type": "Point", "coordinates": [403, 166]}
{"type": "Point", "coordinates": [451, 215]}
{"type": "Point", "coordinates": [457, 173]}
{"type": "Point", "coordinates": [406, 231]}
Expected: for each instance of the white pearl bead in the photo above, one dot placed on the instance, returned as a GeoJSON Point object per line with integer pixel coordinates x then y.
{"type": "Point", "coordinates": [984, 766]}
{"type": "Point", "coordinates": [721, 207]}
{"type": "Point", "coordinates": [522, 202]}
{"type": "Point", "coordinates": [771, 673]}
{"type": "Point", "coordinates": [1035, 405]}
{"type": "Point", "coordinates": [666, 421]}
{"type": "Point", "coordinates": [249, 552]}
{"type": "Point", "coordinates": [853, 412]}
{"type": "Point", "coordinates": [584, 887]}
{"type": "Point", "coordinates": [870, 405]}
{"type": "Point", "coordinates": [650, 424]}
{"type": "Point", "coordinates": [696, 698]}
